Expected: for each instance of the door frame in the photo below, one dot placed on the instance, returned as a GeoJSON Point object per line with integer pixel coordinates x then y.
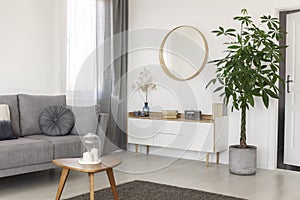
{"type": "Point", "coordinates": [281, 103]}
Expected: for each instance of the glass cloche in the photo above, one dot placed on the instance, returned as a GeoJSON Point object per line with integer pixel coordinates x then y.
{"type": "Point", "coordinates": [91, 149]}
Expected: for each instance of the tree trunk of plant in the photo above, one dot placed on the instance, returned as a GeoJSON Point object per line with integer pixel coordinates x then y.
{"type": "Point", "coordinates": [243, 143]}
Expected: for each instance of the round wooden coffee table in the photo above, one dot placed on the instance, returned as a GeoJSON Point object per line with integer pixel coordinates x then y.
{"type": "Point", "coordinates": [108, 163]}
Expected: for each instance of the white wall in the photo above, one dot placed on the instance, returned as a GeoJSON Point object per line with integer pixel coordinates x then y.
{"type": "Point", "coordinates": [206, 16]}
{"type": "Point", "coordinates": [30, 55]}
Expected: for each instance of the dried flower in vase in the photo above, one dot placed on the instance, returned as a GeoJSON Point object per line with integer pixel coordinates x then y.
{"type": "Point", "coordinates": [145, 83]}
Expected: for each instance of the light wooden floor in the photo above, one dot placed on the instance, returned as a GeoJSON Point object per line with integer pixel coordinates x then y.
{"type": "Point", "coordinates": [273, 185]}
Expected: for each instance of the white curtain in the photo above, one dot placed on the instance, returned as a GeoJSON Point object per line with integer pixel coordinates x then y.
{"type": "Point", "coordinates": [81, 70]}
{"type": "Point", "coordinates": [97, 62]}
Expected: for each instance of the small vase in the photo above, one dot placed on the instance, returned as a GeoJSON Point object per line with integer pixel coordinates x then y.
{"type": "Point", "coordinates": [146, 109]}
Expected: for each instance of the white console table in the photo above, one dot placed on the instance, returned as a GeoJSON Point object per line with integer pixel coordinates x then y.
{"type": "Point", "coordinates": [207, 135]}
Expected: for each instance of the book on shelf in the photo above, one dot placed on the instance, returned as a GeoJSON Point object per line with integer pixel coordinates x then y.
{"type": "Point", "coordinates": [169, 112]}
{"type": "Point", "coordinates": [169, 116]}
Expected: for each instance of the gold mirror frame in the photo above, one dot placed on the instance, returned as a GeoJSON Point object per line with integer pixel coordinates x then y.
{"type": "Point", "coordinates": [162, 61]}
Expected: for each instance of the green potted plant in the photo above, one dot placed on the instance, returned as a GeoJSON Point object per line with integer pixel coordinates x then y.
{"type": "Point", "coordinates": [249, 69]}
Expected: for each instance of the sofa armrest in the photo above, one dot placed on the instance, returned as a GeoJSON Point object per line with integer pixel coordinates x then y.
{"type": "Point", "coordinates": [103, 120]}
{"type": "Point", "coordinates": [101, 129]}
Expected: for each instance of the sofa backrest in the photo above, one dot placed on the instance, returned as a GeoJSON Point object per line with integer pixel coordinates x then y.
{"type": "Point", "coordinates": [30, 108]}
{"type": "Point", "coordinates": [12, 102]}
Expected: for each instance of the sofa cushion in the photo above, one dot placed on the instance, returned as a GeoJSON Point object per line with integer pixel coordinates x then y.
{"type": "Point", "coordinates": [31, 107]}
{"type": "Point", "coordinates": [86, 119]}
{"type": "Point", "coordinates": [56, 121]}
{"type": "Point", "coordinates": [23, 152]}
{"type": "Point", "coordinates": [6, 130]}
{"type": "Point", "coordinates": [69, 146]}
{"type": "Point", "coordinates": [12, 102]}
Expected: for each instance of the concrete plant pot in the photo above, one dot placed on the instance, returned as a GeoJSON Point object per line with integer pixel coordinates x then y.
{"type": "Point", "coordinates": [242, 161]}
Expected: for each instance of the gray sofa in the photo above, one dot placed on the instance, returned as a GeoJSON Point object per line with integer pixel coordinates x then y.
{"type": "Point", "coordinates": [33, 151]}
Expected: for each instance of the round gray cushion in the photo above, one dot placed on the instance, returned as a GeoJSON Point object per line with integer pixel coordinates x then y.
{"type": "Point", "coordinates": [56, 121]}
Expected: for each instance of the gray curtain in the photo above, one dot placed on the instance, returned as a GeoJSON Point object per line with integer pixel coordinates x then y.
{"type": "Point", "coordinates": [112, 26]}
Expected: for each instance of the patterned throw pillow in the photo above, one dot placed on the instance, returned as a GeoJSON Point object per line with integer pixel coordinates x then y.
{"type": "Point", "coordinates": [56, 121]}
{"type": "Point", "coordinates": [6, 130]}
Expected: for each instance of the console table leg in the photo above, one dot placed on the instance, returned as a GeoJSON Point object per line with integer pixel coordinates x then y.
{"type": "Point", "coordinates": [218, 157]}
{"type": "Point", "coordinates": [62, 182]}
{"type": "Point", "coordinates": [148, 149]}
{"type": "Point", "coordinates": [207, 159]}
{"type": "Point", "coordinates": [91, 175]}
{"type": "Point", "coordinates": [112, 182]}
{"type": "Point", "coordinates": [136, 148]}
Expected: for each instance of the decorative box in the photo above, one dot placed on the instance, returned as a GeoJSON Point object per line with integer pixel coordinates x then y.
{"type": "Point", "coordinates": [193, 114]}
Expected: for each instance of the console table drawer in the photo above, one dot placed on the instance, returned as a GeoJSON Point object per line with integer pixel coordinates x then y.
{"type": "Point", "coordinates": [189, 135]}
{"type": "Point", "coordinates": [167, 127]}
{"type": "Point", "coordinates": [172, 141]}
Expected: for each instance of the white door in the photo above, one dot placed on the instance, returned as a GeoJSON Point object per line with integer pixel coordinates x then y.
{"type": "Point", "coordinates": [292, 101]}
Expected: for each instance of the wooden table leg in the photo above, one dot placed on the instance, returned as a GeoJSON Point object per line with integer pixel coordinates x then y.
{"type": "Point", "coordinates": [62, 182]}
{"type": "Point", "coordinates": [92, 195]}
{"type": "Point", "coordinates": [136, 148]}
{"type": "Point", "coordinates": [112, 182]}
{"type": "Point", "coordinates": [148, 149]}
{"type": "Point", "coordinates": [218, 157]}
{"type": "Point", "coordinates": [207, 159]}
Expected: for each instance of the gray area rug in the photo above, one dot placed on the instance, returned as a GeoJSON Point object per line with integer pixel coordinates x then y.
{"type": "Point", "coordinates": [141, 190]}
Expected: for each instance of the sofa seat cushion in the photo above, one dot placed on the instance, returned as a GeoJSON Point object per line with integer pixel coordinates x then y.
{"type": "Point", "coordinates": [23, 152]}
{"type": "Point", "coordinates": [31, 107]}
{"type": "Point", "coordinates": [12, 102]}
{"type": "Point", "coordinates": [68, 146]}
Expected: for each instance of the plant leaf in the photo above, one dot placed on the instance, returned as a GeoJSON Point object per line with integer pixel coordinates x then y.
{"type": "Point", "coordinates": [256, 92]}
{"type": "Point", "coordinates": [271, 93]}
{"type": "Point", "coordinates": [251, 100]}
{"type": "Point", "coordinates": [265, 98]}
{"type": "Point", "coordinates": [233, 47]}
{"type": "Point", "coordinates": [210, 82]}
{"type": "Point", "coordinates": [218, 89]}
{"type": "Point", "coordinates": [244, 11]}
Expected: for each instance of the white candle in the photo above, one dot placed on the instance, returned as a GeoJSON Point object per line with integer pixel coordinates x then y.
{"type": "Point", "coordinates": [95, 153]}
{"type": "Point", "coordinates": [88, 157]}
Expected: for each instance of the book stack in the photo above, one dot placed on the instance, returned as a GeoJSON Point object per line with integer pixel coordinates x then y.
{"type": "Point", "coordinates": [219, 110]}
{"type": "Point", "coordinates": [169, 114]}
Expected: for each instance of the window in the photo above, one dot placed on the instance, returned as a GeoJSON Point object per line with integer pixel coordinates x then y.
{"type": "Point", "coordinates": [85, 28]}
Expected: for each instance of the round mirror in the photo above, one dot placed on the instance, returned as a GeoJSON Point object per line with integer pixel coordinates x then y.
{"type": "Point", "coordinates": [183, 53]}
